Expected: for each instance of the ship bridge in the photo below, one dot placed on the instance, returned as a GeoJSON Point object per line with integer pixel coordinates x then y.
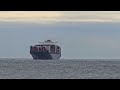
{"type": "Point", "coordinates": [47, 42]}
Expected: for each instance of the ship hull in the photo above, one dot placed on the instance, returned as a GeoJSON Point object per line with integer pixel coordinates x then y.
{"type": "Point", "coordinates": [45, 56]}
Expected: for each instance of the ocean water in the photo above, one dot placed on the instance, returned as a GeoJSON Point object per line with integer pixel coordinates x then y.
{"type": "Point", "coordinates": [18, 68]}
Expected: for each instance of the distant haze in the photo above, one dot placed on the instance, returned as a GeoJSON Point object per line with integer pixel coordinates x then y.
{"type": "Point", "coordinates": [80, 34]}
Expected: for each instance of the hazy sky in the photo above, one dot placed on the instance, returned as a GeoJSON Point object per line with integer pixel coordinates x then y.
{"type": "Point", "coordinates": [81, 34]}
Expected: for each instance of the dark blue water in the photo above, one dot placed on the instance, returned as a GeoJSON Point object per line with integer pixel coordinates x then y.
{"type": "Point", "coordinates": [11, 68]}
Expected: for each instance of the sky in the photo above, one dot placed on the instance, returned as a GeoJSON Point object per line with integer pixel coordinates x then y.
{"type": "Point", "coordinates": [81, 34]}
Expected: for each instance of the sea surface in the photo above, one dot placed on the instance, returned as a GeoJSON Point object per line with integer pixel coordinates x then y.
{"type": "Point", "coordinates": [19, 68]}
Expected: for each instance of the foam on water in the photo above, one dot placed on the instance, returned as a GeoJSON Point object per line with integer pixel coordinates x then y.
{"type": "Point", "coordinates": [23, 68]}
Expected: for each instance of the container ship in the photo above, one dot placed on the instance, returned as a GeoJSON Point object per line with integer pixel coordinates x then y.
{"type": "Point", "coordinates": [46, 50]}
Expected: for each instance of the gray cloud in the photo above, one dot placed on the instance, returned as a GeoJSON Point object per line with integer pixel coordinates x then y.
{"type": "Point", "coordinates": [59, 16]}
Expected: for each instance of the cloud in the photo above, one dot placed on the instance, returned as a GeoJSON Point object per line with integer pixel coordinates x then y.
{"type": "Point", "coordinates": [59, 16]}
{"type": "Point", "coordinates": [29, 16]}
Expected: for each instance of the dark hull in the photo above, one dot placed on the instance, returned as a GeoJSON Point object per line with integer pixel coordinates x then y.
{"type": "Point", "coordinates": [41, 55]}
